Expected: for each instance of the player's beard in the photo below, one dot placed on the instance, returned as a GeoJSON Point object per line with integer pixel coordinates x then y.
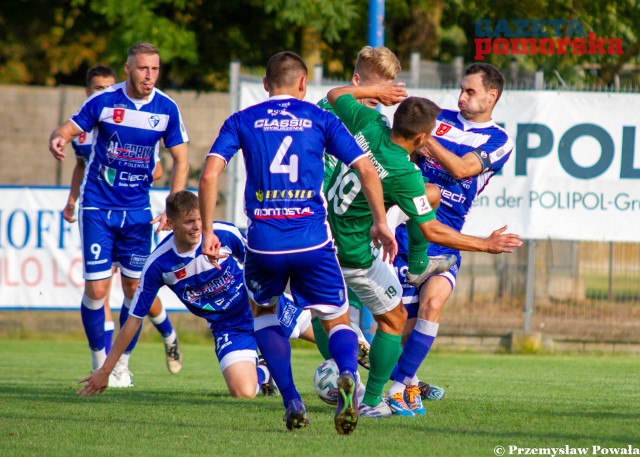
{"type": "Point", "coordinates": [141, 88]}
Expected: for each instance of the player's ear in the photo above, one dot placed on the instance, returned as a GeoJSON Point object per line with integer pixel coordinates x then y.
{"type": "Point", "coordinates": [265, 84]}
{"type": "Point", "coordinates": [356, 79]}
{"type": "Point", "coordinates": [169, 223]}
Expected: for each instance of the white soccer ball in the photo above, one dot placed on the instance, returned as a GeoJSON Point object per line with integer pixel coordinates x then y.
{"type": "Point", "coordinates": [325, 382]}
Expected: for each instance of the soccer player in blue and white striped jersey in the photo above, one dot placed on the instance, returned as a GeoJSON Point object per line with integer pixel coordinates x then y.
{"type": "Point", "coordinates": [217, 295]}
{"type": "Point", "coordinates": [465, 150]}
{"type": "Point", "coordinates": [128, 121]}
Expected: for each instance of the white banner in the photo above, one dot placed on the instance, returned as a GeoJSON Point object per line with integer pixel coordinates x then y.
{"type": "Point", "coordinates": [40, 256]}
{"type": "Point", "coordinates": [573, 175]}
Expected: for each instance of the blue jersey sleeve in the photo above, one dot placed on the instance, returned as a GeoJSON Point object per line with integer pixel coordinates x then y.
{"type": "Point", "coordinates": [228, 141]}
{"type": "Point", "coordinates": [150, 283]}
{"type": "Point", "coordinates": [340, 143]}
{"type": "Point", "coordinates": [176, 133]}
{"type": "Point", "coordinates": [494, 153]}
{"type": "Point", "coordinates": [88, 115]}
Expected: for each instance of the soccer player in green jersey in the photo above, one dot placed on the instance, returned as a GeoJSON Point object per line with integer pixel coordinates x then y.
{"type": "Point", "coordinates": [365, 273]}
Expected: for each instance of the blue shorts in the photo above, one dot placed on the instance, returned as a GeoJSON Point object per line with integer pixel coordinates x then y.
{"type": "Point", "coordinates": [115, 237]}
{"type": "Point", "coordinates": [410, 296]}
{"type": "Point", "coordinates": [234, 343]}
{"type": "Point", "coordinates": [235, 340]}
{"type": "Point", "coordinates": [314, 277]}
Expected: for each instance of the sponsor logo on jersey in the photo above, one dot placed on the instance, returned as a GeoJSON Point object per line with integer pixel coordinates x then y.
{"type": "Point", "coordinates": [284, 194]}
{"type": "Point", "coordinates": [180, 274]}
{"type": "Point", "coordinates": [107, 174]}
{"type": "Point", "coordinates": [130, 177]}
{"type": "Point", "coordinates": [255, 285]}
{"type": "Point", "coordinates": [213, 287]}
{"type": "Point", "coordinates": [422, 205]}
{"type": "Point", "coordinates": [452, 196]}
{"type": "Point", "coordinates": [443, 129]}
{"type": "Point", "coordinates": [154, 121]}
{"type": "Point", "coordinates": [282, 213]}
{"type": "Point", "coordinates": [138, 260]}
{"type": "Point", "coordinates": [82, 138]}
{"type": "Point", "coordinates": [283, 125]}
{"type": "Point", "coordinates": [131, 153]}
{"type": "Point", "coordinates": [118, 115]}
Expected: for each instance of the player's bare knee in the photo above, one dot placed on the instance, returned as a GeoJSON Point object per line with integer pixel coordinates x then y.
{"type": "Point", "coordinates": [242, 391]}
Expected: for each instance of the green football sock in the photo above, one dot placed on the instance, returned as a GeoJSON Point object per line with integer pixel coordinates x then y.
{"type": "Point", "coordinates": [383, 356]}
{"type": "Point", "coordinates": [322, 339]}
{"type": "Point", "coordinates": [418, 259]}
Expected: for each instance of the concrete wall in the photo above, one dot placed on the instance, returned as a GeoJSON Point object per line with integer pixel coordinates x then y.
{"type": "Point", "coordinates": [28, 115]}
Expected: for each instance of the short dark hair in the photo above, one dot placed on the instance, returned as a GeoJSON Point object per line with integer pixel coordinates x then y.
{"type": "Point", "coordinates": [284, 68]}
{"type": "Point", "coordinates": [181, 202]}
{"type": "Point", "coordinates": [492, 78]}
{"type": "Point", "coordinates": [99, 70]}
{"type": "Point", "coordinates": [415, 115]}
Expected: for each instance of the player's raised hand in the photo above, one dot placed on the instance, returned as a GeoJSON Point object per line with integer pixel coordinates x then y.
{"type": "Point", "coordinates": [391, 93]}
{"type": "Point", "coordinates": [162, 219]}
{"type": "Point", "coordinates": [56, 147]}
{"type": "Point", "coordinates": [211, 248]}
{"type": "Point", "coordinates": [96, 382]}
{"type": "Point", "coordinates": [499, 242]}
{"type": "Point", "coordinates": [381, 235]}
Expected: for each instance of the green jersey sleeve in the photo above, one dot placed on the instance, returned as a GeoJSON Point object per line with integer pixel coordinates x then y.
{"type": "Point", "coordinates": [354, 115]}
{"type": "Point", "coordinates": [409, 195]}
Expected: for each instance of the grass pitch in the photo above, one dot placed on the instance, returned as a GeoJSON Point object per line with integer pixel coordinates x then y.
{"type": "Point", "coordinates": [492, 400]}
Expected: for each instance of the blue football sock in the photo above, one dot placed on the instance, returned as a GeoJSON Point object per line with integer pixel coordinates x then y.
{"type": "Point", "coordinates": [92, 313]}
{"type": "Point", "coordinates": [415, 350]}
{"type": "Point", "coordinates": [276, 351]}
{"type": "Point", "coordinates": [124, 314]}
{"type": "Point", "coordinates": [109, 326]}
{"type": "Point", "coordinates": [162, 324]}
{"type": "Point", "coordinates": [343, 347]}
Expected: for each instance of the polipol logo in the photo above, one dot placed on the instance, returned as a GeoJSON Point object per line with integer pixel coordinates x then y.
{"type": "Point", "coordinates": [154, 121]}
{"type": "Point", "coordinates": [107, 174]}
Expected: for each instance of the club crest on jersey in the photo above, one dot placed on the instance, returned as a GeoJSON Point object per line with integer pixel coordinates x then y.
{"type": "Point", "coordinates": [443, 129]}
{"type": "Point", "coordinates": [118, 115]}
{"type": "Point", "coordinates": [82, 138]}
{"type": "Point", "coordinates": [154, 121]}
{"type": "Point", "coordinates": [180, 274]}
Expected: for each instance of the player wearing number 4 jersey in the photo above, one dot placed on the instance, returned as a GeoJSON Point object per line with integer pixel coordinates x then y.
{"type": "Point", "coordinates": [375, 283]}
{"type": "Point", "coordinates": [288, 240]}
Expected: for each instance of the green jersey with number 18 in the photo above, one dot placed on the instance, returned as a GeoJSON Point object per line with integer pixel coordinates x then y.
{"type": "Point", "coordinates": [348, 213]}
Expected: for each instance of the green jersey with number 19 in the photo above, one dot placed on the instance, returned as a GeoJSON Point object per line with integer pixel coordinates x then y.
{"type": "Point", "coordinates": [348, 213]}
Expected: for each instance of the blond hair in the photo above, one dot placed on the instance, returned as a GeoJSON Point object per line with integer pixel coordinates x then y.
{"type": "Point", "coordinates": [142, 48]}
{"type": "Point", "coordinates": [378, 61]}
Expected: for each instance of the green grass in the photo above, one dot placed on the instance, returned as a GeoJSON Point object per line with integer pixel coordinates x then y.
{"type": "Point", "coordinates": [528, 401]}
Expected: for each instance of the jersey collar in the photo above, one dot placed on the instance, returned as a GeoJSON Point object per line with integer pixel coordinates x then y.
{"type": "Point", "coordinates": [475, 125]}
{"type": "Point", "coordinates": [281, 97]}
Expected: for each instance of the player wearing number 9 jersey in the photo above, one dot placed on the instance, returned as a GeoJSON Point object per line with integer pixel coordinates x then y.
{"type": "Point", "coordinates": [283, 140]}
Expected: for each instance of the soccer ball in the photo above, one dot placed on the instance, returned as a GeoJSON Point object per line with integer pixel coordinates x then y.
{"type": "Point", "coordinates": [325, 382]}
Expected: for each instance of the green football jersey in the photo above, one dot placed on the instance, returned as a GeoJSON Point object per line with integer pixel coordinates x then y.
{"type": "Point", "coordinates": [348, 211]}
{"type": "Point", "coordinates": [330, 162]}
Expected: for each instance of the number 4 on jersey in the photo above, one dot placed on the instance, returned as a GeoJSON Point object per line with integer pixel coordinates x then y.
{"type": "Point", "coordinates": [278, 167]}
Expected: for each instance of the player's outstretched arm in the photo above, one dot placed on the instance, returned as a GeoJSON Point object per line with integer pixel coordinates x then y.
{"type": "Point", "coordinates": [497, 243]}
{"type": "Point", "coordinates": [459, 167]}
{"type": "Point", "coordinates": [208, 198]}
{"type": "Point", "coordinates": [60, 137]}
{"type": "Point", "coordinates": [388, 93]}
{"type": "Point", "coordinates": [74, 191]}
{"type": "Point", "coordinates": [98, 381]}
{"type": "Point", "coordinates": [372, 188]}
{"type": "Point", "coordinates": [179, 175]}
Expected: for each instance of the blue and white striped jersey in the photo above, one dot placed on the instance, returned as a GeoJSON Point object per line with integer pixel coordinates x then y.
{"type": "Point", "coordinates": [283, 140]}
{"type": "Point", "coordinates": [216, 295]}
{"type": "Point", "coordinates": [488, 141]}
{"type": "Point", "coordinates": [127, 135]}
{"type": "Point", "coordinates": [82, 145]}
